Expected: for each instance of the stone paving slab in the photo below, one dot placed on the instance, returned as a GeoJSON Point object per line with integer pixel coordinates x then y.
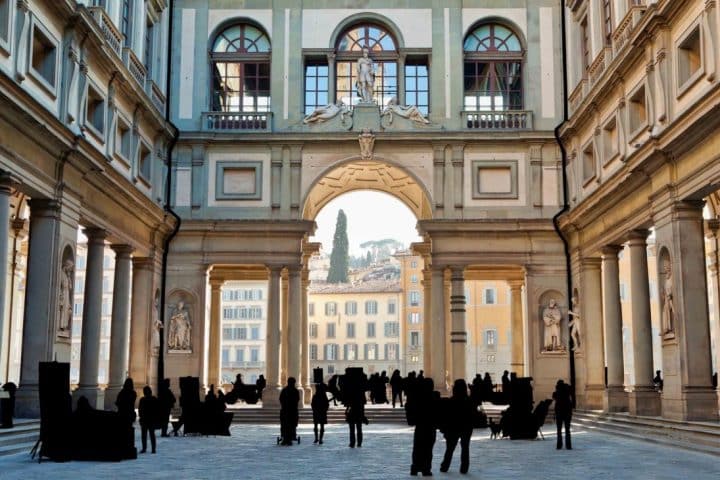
{"type": "Point", "coordinates": [251, 453]}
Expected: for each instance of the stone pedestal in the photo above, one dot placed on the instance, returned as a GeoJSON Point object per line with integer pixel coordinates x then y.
{"type": "Point", "coordinates": [644, 401]}
{"type": "Point", "coordinates": [615, 399]}
{"type": "Point", "coordinates": [366, 116]}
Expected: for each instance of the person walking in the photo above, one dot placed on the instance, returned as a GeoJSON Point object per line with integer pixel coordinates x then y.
{"type": "Point", "coordinates": [320, 405]}
{"type": "Point", "coordinates": [458, 412]}
{"type": "Point", "coordinates": [149, 409]}
{"type": "Point", "coordinates": [563, 412]}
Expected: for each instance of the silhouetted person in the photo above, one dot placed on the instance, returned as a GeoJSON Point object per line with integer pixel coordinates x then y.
{"type": "Point", "coordinates": [563, 412]}
{"type": "Point", "coordinates": [125, 401]}
{"type": "Point", "coordinates": [658, 381]}
{"type": "Point", "coordinates": [334, 390]}
{"type": "Point", "coordinates": [396, 384]}
{"type": "Point", "coordinates": [381, 396]}
{"type": "Point", "coordinates": [166, 400]}
{"type": "Point", "coordinates": [506, 382]}
{"type": "Point", "coordinates": [409, 385]}
{"type": "Point", "coordinates": [459, 412]}
{"type": "Point", "coordinates": [715, 380]}
{"type": "Point", "coordinates": [260, 385]}
{"type": "Point", "coordinates": [149, 409]}
{"type": "Point", "coordinates": [289, 399]}
{"type": "Point", "coordinates": [421, 375]}
{"type": "Point", "coordinates": [354, 399]}
{"type": "Point", "coordinates": [7, 405]}
{"type": "Point", "coordinates": [476, 389]}
{"type": "Point", "coordinates": [487, 387]}
{"type": "Point", "coordinates": [320, 405]}
{"type": "Point", "coordinates": [426, 403]}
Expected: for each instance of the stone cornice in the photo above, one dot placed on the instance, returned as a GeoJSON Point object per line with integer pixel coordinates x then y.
{"type": "Point", "coordinates": [436, 228]}
{"type": "Point", "coordinates": [258, 228]}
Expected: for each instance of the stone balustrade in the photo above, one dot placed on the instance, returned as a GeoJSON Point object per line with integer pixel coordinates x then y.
{"type": "Point", "coordinates": [498, 120]}
{"type": "Point", "coordinates": [236, 121]}
{"type": "Point", "coordinates": [135, 66]}
{"type": "Point", "coordinates": [111, 34]}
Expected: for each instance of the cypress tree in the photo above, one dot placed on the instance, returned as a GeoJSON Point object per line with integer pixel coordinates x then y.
{"type": "Point", "coordinates": [339, 257]}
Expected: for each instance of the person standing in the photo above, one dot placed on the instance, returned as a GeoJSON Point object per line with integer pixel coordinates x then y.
{"type": "Point", "coordinates": [125, 401]}
{"type": "Point", "coordinates": [459, 412]}
{"type": "Point", "coordinates": [396, 385]}
{"type": "Point", "coordinates": [320, 405]}
{"type": "Point", "coordinates": [260, 385]}
{"type": "Point", "coordinates": [166, 399]}
{"type": "Point", "coordinates": [563, 412]}
{"type": "Point", "coordinates": [149, 412]}
{"type": "Point", "coordinates": [425, 406]}
{"type": "Point", "coordinates": [289, 399]}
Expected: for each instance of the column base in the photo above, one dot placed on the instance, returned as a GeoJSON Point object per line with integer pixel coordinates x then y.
{"type": "Point", "coordinates": [110, 395]}
{"type": "Point", "coordinates": [518, 368]}
{"type": "Point", "coordinates": [594, 397]}
{"type": "Point", "coordinates": [615, 399]}
{"type": "Point", "coordinates": [307, 397]}
{"type": "Point", "coordinates": [644, 401]}
{"type": "Point", "coordinates": [697, 404]}
{"type": "Point", "coordinates": [271, 397]}
{"type": "Point", "coordinates": [95, 395]}
{"type": "Point", "coordinates": [27, 402]}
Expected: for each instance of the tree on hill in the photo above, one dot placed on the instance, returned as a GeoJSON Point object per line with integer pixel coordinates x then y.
{"type": "Point", "coordinates": [368, 259]}
{"type": "Point", "coordinates": [339, 257]}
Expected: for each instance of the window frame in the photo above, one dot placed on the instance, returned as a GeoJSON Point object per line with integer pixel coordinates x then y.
{"type": "Point", "coordinates": [683, 86]}
{"type": "Point", "coordinates": [98, 133]}
{"type": "Point", "coordinates": [44, 83]}
{"type": "Point", "coordinates": [9, 24]}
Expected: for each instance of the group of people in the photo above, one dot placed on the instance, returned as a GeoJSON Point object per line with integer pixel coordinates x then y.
{"type": "Point", "coordinates": [154, 411]}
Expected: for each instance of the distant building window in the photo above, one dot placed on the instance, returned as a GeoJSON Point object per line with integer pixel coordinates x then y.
{"type": "Point", "coordinates": [689, 55]}
{"type": "Point", "coordinates": [417, 85]}
{"type": "Point", "coordinates": [607, 12]}
{"type": "Point", "coordinates": [240, 354]}
{"type": "Point", "coordinates": [95, 110]}
{"type": "Point", "coordinates": [149, 47]}
{"type": "Point", "coordinates": [331, 351]}
{"type": "Point", "coordinates": [313, 351]}
{"type": "Point", "coordinates": [371, 307]}
{"type": "Point", "coordinates": [316, 85]}
{"type": "Point", "coordinates": [350, 351]}
{"type": "Point", "coordinates": [414, 339]}
{"type": "Point", "coordinates": [311, 309]}
{"type": "Point", "coordinates": [413, 264]}
{"type": "Point", "coordinates": [414, 298]}
{"type": "Point", "coordinates": [371, 329]}
{"type": "Point", "coordinates": [371, 351]}
{"type": "Point", "coordinates": [392, 329]}
{"type": "Point", "coordinates": [254, 354]}
{"type": "Point", "coordinates": [5, 20]}
{"type": "Point", "coordinates": [313, 330]}
{"type": "Point", "coordinates": [623, 292]}
{"type": "Point", "coordinates": [489, 296]}
{"type": "Point", "coordinates": [637, 110]}
{"type": "Point", "coordinates": [491, 359]}
{"type": "Point", "coordinates": [331, 369]}
{"type": "Point", "coordinates": [126, 20]}
{"type": "Point", "coordinates": [330, 308]}
{"type": "Point", "coordinates": [225, 356]}
{"type": "Point", "coordinates": [585, 43]}
{"type": "Point", "coordinates": [330, 332]}
{"type": "Point", "coordinates": [106, 284]}
{"type": "Point", "coordinates": [105, 307]}
{"type": "Point", "coordinates": [350, 329]}
{"type": "Point", "coordinates": [391, 307]}
{"type": "Point", "coordinates": [254, 333]}
{"type": "Point", "coordinates": [391, 351]}
{"type": "Point", "coordinates": [490, 338]}
{"type": "Point", "coordinates": [413, 278]}
{"type": "Point", "coordinates": [415, 318]}
{"type": "Point", "coordinates": [350, 308]}
{"type": "Point", "coordinates": [79, 284]}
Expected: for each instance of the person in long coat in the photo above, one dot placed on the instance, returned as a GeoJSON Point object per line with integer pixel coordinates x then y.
{"type": "Point", "coordinates": [425, 403]}
{"type": "Point", "coordinates": [289, 415]}
{"type": "Point", "coordinates": [149, 409]}
{"type": "Point", "coordinates": [320, 405]}
{"type": "Point", "coordinates": [459, 415]}
{"type": "Point", "coordinates": [125, 401]}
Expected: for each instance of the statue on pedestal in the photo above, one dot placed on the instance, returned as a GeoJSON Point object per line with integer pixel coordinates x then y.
{"type": "Point", "coordinates": [575, 325]}
{"type": "Point", "coordinates": [668, 305]}
{"type": "Point", "coordinates": [365, 83]}
{"type": "Point", "coordinates": [180, 329]}
{"type": "Point", "coordinates": [552, 316]}
{"type": "Point", "coordinates": [66, 297]}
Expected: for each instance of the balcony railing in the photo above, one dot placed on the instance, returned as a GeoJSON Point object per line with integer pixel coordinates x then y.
{"type": "Point", "coordinates": [156, 96]}
{"type": "Point", "coordinates": [498, 120]}
{"type": "Point", "coordinates": [627, 26]}
{"type": "Point", "coordinates": [137, 69]}
{"type": "Point", "coordinates": [110, 32]}
{"type": "Point", "coordinates": [599, 65]}
{"type": "Point", "coordinates": [577, 95]}
{"type": "Point", "coordinates": [237, 121]}
{"type": "Point", "coordinates": [243, 364]}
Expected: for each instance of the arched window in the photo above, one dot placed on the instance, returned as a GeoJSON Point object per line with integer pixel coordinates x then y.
{"type": "Point", "coordinates": [383, 51]}
{"type": "Point", "coordinates": [493, 69]}
{"type": "Point", "coordinates": [240, 61]}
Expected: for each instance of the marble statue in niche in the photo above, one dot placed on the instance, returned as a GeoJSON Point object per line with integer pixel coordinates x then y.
{"type": "Point", "coordinates": [552, 317]}
{"type": "Point", "coordinates": [180, 329]}
{"type": "Point", "coordinates": [365, 83]}
{"type": "Point", "coordinates": [66, 297]}
{"type": "Point", "coordinates": [668, 304]}
{"type": "Point", "coordinates": [575, 325]}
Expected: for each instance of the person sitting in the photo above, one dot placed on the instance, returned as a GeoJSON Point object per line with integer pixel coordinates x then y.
{"type": "Point", "coordinates": [658, 381]}
{"type": "Point", "coordinates": [149, 409]}
{"type": "Point", "coordinates": [320, 405]}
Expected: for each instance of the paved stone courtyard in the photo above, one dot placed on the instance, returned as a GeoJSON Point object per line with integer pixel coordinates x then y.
{"type": "Point", "coordinates": [251, 453]}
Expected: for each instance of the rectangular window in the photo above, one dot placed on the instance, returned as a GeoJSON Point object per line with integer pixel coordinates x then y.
{"type": "Point", "coordinates": [371, 351]}
{"type": "Point", "coordinates": [391, 307]}
{"type": "Point", "coordinates": [417, 85]}
{"type": "Point", "coordinates": [413, 279]}
{"type": "Point", "coordinates": [588, 159]}
{"type": "Point", "coordinates": [330, 332]}
{"type": "Point", "coordinates": [414, 318]}
{"type": "Point", "coordinates": [331, 369]}
{"type": "Point", "coordinates": [77, 309]}
{"type": "Point", "coordinates": [106, 284]}
{"type": "Point", "coordinates": [5, 20]}
{"type": "Point", "coordinates": [145, 159]}
{"type": "Point", "coordinates": [311, 309]}
{"type": "Point", "coordinates": [391, 351]}
{"type": "Point", "coordinates": [242, 333]}
{"type": "Point", "coordinates": [414, 298]}
{"type": "Point", "coordinates": [79, 284]}
{"type": "Point", "coordinates": [350, 351]}
{"type": "Point", "coordinates": [585, 44]}
{"type": "Point", "coordinates": [241, 86]}
{"type": "Point", "coordinates": [350, 308]}
{"type": "Point", "coordinates": [607, 20]}
{"type": "Point", "coordinates": [489, 296]}
{"type": "Point", "coordinates": [610, 140]}
{"type": "Point", "coordinates": [371, 307]}
{"type": "Point", "coordinates": [225, 356]}
{"type": "Point", "coordinates": [105, 325]}
{"type": "Point", "coordinates": [637, 111]}
{"type": "Point", "coordinates": [490, 338]}
{"type": "Point", "coordinates": [227, 333]}
{"type": "Point", "coordinates": [313, 330]}
{"type": "Point", "coordinates": [493, 86]}
{"type": "Point", "coordinates": [371, 330]}
{"type": "Point", "coordinates": [414, 339]}
{"type": "Point", "coordinates": [330, 309]}
{"type": "Point", "coordinates": [254, 333]}
{"type": "Point", "coordinates": [312, 351]}
{"type": "Point", "coordinates": [331, 351]}
{"type": "Point", "coordinates": [385, 82]}
{"type": "Point", "coordinates": [105, 307]}
{"type": "Point", "coordinates": [149, 44]}
{"type": "Point", "coordinates": [623, 292]}
{"type": "Point", "coordinates": [126, 20]}
{"type": "Point", "coordinates": [95, 110]}
{"type": "Point", "coordinates": [240, 354]}
{"type": "Point", "coordinates": [350, 330]}
{"type": "Point", "coordinates": [44, 56]}
{"type": "Point", "coordinates": [413, 264]}
{"type": "Point", "coordinates": [392, 329]}
{"type": "Point", "coordinates": [689, 57]}
{"type": "Point", "coordinates": [254, 354]}
{"type": "Point", "coordinates": [316, 85]}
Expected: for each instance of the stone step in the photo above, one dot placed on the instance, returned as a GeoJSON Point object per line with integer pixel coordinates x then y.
{"type": "Point", "coordinates": [16, 448]}
{"type": "Point", "coordinates": [21, 438]}
{"type": "Point", "coordinates": [696, 436]}
{"type": "Point", "coordinates": [26, 436]}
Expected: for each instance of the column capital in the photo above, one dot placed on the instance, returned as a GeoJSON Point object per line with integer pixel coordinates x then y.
{"type": "Point", "coordinates": [609, 251]}
{"type": "Point", "coordinates": [276, 269]}
{"type": "Point", "coordinates": [294, 269]}
{"type": "Point", "coordinates": [713, 224]}
{"type": "Point", "coordinates": [637, 237]}
{"type": "Point", "coordinates": [145, 263]}
{"type": "Point", "coordinates": [216, 283]}
{"type": "Point", "coordinates": [95, 235]}
{"type": "Point", "coordinates": [42, 207]}
{"type": "Point", "coordinates": [7, 183]}
{"type": "Point", "coordinates": [516, 284]}
{"type": "Point", "coordinates": [457, 272]}
{"type": "Point", "coordinates": [590, 262]}
{"type": "Point", "coordinates": [122, 251]}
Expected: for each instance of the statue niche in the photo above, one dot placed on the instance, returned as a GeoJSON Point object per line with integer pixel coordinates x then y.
{"type": "Point", "coordinates": [65, 295]}
{"type": "Point", "coordinates": [179, 337]}
{"type": "Point", "coordinates": [551, 322]}
{"type": "Point", "coordinates": [667, 299]}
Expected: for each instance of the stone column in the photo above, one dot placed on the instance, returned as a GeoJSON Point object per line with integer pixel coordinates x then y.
{"type": "Point", "coordinates": [438, 327]}
{"type": "Point", "coordinates": [714, 266]}
{"type": "Point", "coordinates": [458, 334]}
{"type": "Point", "coordinates": [643, 399]}
{"type": "Point", "coordinates": [214, 376]}
{"type": "Point", "coordinates": [272, 339]}
{"type": "Point", "coordinates": [305, 379]}
{"type": "Point", "coordinates": [5, 191]}
{"type": "Point", "coordinates": [591, 344]}
{"type": "Point", "coordinates": [120, 325]}
{"type": "Point", "coordinates": [427, 321]}
{"type": "Point", "coordinates": [687, 364]}
{"type": "Point", "coordinates": [92, 320]}
{"type": "Point", "coordinates": [294, 322]}
{"type": "Point", "coordinates": [615, 396]}
{"type": "Point", "coordinates": [142, 319]}
{"type": "Point", "coordinates": [517, 353]}
{"type": "Point", "coordinates": [38, 323]}
{"type": "Point", "coordinates": [284, 308]}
